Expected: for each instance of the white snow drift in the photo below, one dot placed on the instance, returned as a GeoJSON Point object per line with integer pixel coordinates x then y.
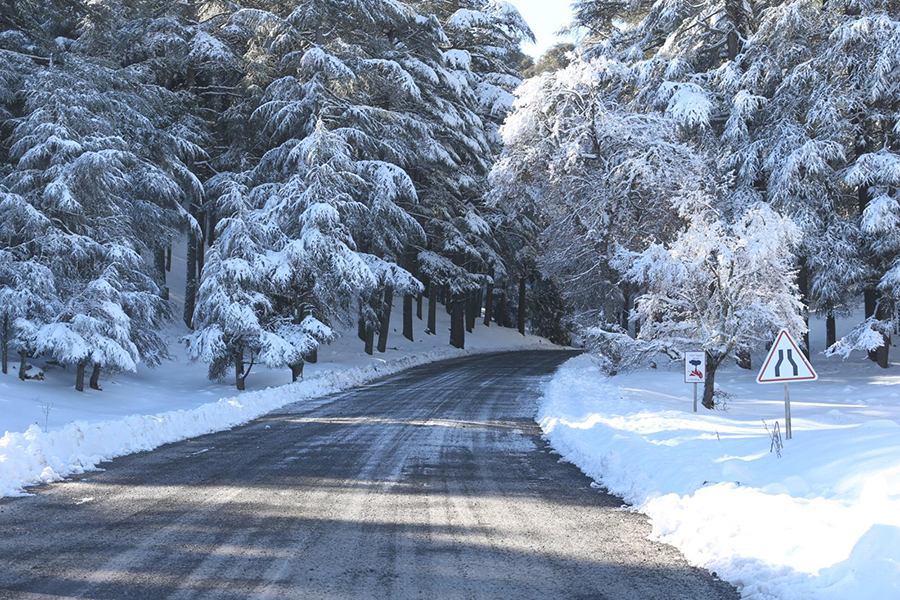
{"type": "Point", "coordinates": [822, 521]}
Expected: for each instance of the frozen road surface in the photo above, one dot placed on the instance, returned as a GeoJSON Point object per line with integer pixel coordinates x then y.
{"type": "Point", "coordinates": [434, 483]}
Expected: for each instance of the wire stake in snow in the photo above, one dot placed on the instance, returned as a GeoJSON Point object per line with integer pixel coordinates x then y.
{"type": "Point", "coordinates": [786, 363]}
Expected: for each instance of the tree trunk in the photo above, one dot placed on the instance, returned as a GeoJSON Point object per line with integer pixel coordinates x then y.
{"type": "Point", "coordinates": [432, 311]}
{"type": "Point", "coordinates": [385, 318]}
{"type": "Point", "coordinates": [501, 309]}
{"type": "Point", "coordinates": [79, 377]}
{"type": "Point", "coordinates": [830, 330]}
{"type": "Point", "coordinates": [361, 328]}
{"type": "Point", "coordinates": [419, 303]}
{"type": "Point", "coordinates": [471, 310]}
{"type": "Point", "coordinates": [201, 245]}
{"type": "Point", "coordinates": [408, 317]}
{"type": "Point", "coordinates": [709, 386]}
{"type": "Point", "coordinates": [161, 269]}
{"type": "Point", "coordinates": [457, 321]}
{"type": "Point", "coordinates": [744, 360]}
{"type": "Point", "coordinates": [4, 346]}
{"type": "Point", "coordinates": [489, 301]}
{"type": "Point", "coordinates": [882, 354]}
{"type": "Point", "coordinates": [803, 287]}
{"type": "Point", "coordinates": [625, 317]}
{"type": "Point", "coordinates": [169, 258]}
{"type": "Point", "coordinates": [522, 306]}
{"type": "Point", "coordinates": [211, 229]}
{"type": "Point", "coordinates": [23, 365]}
{"type": "Point", "coordinates": [370, 340]}
{"type": "Point", "coordinates": [95, 378]}
{"type": "Point", "coordinates": [239, 378]}
{"type": "Point", "coordinates": [871, 301]}
{"type": "Point", "coordinates": [190, 288]}
{"type": "Point", "coordinates": [296, 371]}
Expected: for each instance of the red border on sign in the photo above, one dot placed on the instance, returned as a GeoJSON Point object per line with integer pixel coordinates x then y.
{"type": "Point", "coordinates": [802, 356]}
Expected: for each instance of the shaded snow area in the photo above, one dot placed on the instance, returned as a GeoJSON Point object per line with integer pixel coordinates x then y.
{"type": "Point", "coordinates": [822, 521]}
{"type": "Point", "coordinates": [143, 410]}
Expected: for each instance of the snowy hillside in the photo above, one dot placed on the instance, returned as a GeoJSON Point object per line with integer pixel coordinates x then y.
{"type": "Point", "coordinates": [821, 521]}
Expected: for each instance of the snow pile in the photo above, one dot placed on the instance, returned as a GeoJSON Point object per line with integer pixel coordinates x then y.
{"type": "Point", "coordinates": [822, 521]}
{"type": "Point", "coordinates": [35, 457]}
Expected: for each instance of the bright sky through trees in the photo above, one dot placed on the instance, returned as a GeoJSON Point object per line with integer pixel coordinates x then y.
{"type": "Point", "coordinates": [545, 18]}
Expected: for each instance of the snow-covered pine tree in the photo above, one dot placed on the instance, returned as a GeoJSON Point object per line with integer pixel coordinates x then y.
{"type": "Point", "coordinates": [93, 150]}
{"type": "Point", "coordinates": [235, 323]}
{"type": "Point", "coordinates": [28, 296]}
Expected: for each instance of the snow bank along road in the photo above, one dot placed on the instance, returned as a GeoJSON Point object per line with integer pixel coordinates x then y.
{"type": "Point", "coordinates": [433, 483]}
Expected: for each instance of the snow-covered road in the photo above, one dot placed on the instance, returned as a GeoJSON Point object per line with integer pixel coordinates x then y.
{"type": "Point", "coordinates": [433, 483]}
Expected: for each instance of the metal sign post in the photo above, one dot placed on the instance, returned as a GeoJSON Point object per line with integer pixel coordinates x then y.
{"type": "Point", "coordinates": [786, 363]}
{"type": "Point", "coordinates": [695, 370]}
{"type": "Point", "coordinates": [787, 410]}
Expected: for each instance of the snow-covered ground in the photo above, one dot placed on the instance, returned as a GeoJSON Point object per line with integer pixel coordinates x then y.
{"type": "Point", "coordinates": [140, 411]}
{"type": "Point", "coordinates": [822, 521]}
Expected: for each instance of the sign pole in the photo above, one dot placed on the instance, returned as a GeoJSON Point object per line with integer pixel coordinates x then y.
{"type": "Point", "coordinates": [787, 410]}
{"type": "Point", "coordinates": [695, 397]}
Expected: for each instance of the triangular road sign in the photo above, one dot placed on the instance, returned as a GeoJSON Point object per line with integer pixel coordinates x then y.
{"type": "Point", "coordinates": [785, 362]}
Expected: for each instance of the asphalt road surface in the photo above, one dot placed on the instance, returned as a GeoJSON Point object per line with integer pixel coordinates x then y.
{"type": "Point", "coordinates": [434, 483]}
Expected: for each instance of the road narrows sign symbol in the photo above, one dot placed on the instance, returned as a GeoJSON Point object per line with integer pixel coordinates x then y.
{"type": "Point", "coordinates": [785, 362]}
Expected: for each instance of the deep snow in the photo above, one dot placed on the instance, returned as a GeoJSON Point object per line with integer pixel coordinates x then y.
{"type": "Point", "coordinates": [822, 521]}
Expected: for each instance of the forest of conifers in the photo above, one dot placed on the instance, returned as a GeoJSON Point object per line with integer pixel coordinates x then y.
{"type": "Point", "coordinates": [692, 175]}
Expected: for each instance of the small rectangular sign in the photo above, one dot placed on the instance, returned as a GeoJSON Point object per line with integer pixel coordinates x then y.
{"type": "Point", "coordinates": [694, 367]}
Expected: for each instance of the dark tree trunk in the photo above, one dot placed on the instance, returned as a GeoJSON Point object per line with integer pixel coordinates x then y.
{"type": "Point", "coordinates": [625, 317]}
{"type": "Point", "coordinates": [419, 303]}
{"type": "Point", "coordinates": [471, 311]}
{"type": "Point", "coordinates": [169, 258]}
{"type": "Point", "coordinates": [79, 377]}
{"type": "Point", "coordinates": [870, 299]}
{"type": "Point", "coordinates": [803, 286]}
{"type": "Point", "coordinates": [501, 309]}
{"type": "Point", "coordinates": [408, 317]}
{"type": "Point", "coordinates": [201, 245]}
{"type": "Point", "coordinates": [361, 328]}
{"type": "Point", "coordinates": [95, 378]}
{"type": "Point", "coordinates": [385, 318]}
{"type": "Point", "coordinates": [709, 386]}
{"type": "Point", "coordinates": [370, 340]}
{"type": "Point", "coordinates": [744, 360]}
{"type": "Point", "coordinates": [161, 268]}
{"type": "Point", "coordinates": [23, 365]}
{"type": "Point", "coordinates": [297, 371]}
{"type": "Point", "coordinates": [830, 330]}
{"type": "Point", "coordinates": [522, 306]}
{"type": "Point", "coordinates": [882, 354]}
{"type": "Point", "coordinates": [4, 346]}
{"type": "Point", "coordinates": [489, 301]}
{"type": "Point", "coordinates": [457, 321]}
{"type": "Point", "coordinates": [211, 229]}
{"type": "Point", "coordinates": [190, 288]}
{"type": "Point", "coordinates": [432, 311]}
{"type": "Point", "coordinates": [479, 302]}
{"type": "Point", "coordinates": [239, 377]}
